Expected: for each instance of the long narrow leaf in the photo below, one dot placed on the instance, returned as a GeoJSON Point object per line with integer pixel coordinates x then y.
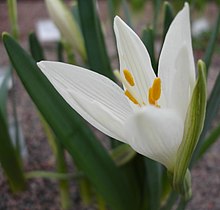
{"type": "Point", "coordinates": [209, 141]}
{"type": "Point", "coordinates": [168, 18]}
{"type": "Point", "coordinates": [212, 108]}
{"type": "Point", "coordinates": [156, 4]}
{"type": "Point", "coordinates": [93, 36]}
{"type": "Point", "coordinates": [71, 130]}
{"type": "Point", "coordinates": [8, 156]}
{"type": "Point", "coordinates": [170, 201]}
{"type": "Point", "coordinates": [35, 48]}
{"type": "Point", "coordinates": [154, 184]}
{"type": "Point", "coordinates": [4, 93]}
{"type": "Point", "coordinates": [127, 14]}
{"type": "Point", "coordinates": [212, 42]}
{"type": "Point", "coordinates": [148, 40]}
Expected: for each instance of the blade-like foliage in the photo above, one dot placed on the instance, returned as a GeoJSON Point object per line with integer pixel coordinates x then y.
{"type": "Point", "coordinates": [153, 184]}
{"type": "Point", "coordinates": [148, 40]}
{"type": "Point", "coordinates": [93, 36]}
{"type": "Point", "coordinates": [35, 48]}
{"type": "Point", "coordinates": [212, 42]}
{"type": "Point", "coordinates": [212, 108]}
{"type": "Point", "coordinates": [168, 18]}
{"type": "Point", "coordinates": [8, 156]}
{"type": "Point", "coordinates": [71, 130]}
{"type": "Point", "coordinates": [192, 129]}
{"type": "Point", "coordinates": [209, 141]}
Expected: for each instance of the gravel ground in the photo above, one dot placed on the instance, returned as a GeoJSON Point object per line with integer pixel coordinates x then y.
{"type": "Point", "coordinates": [43, 194]}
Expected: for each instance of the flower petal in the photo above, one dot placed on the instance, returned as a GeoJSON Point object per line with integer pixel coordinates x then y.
{"type": "Point", "coordinates": [134, 57]}
{"type": "Point", "coordinates": [176, 64]}
{"type": "Point", "coordinates": [156, 133]}
{"type": "Point", "coordinates": [96, 98]}
{"type": "Point", "coordinates": [98, 115]}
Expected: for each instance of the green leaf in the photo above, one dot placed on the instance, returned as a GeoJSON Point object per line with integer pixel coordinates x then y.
{"type": "Point", "coordinates": [4, 93]}
{"type": "Point", "coordinates": [209, 141]}
{"type": "Point", "coordinates": [192, 128]}
{"type": "Point", "coordinates": [213, 104]}
{"type": "Point", "coordinates": [8, 156]}
{"type": "Point", "coordinates": [73, 133]}
{"type": "Point", "coordinates": [170, 201]}
{"type": "Point", "coordinates": [212, 43]}
{"type": "Point", "coordinates": [137, 5]}
{"type": "Point", "coordinates": [60, 50]}
{"type": "Point", "coordinates": [122, 154]}
{"type": "Point", "coordinates": [153, 184]}
{"type": "Point", "coordinates": [127, 14]}
{"type": "Point", "coordinates": [35, 48]}
{"type": "Point", "coordinates": [212, 108]}
{"type": "Point", "coordinates": [93, 36]}
{"type": "Point", "coordinates": [148, 40]}
{"type": "Point", "coordinates": [52, 175]}
{"type": "Point", "coordinates": [168, 17]}
{"type": "Point", "coordinates": [156, 4]}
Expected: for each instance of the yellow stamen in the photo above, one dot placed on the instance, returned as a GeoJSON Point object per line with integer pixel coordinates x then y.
{"type": "Point", "coordinates": [128, 94]}
{"type": "Point", "coordinates": [128, 76]}
{"type": "Point", "coordinates": [150, 97]}
{"type": "Point", "coordinates": [155, 92]}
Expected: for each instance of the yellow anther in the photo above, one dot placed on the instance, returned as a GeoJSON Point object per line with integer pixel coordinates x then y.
{"type": "Point", "coordinates": [132, 98]}
{"type": "Point", "coordinates": [156, 89]}
{"type": "Point", "coordinates": [150, 97]}
{"type": "Point", "coordinates": [128, 76]}
{"type": "Point", "coordinates": [154, 92]}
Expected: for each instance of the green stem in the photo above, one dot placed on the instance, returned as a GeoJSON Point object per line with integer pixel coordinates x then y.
{"type": "Point", "coordinates": [52, 175]}
{"type": "Point", "coordinates": [58, 152]}
{"type": "Point", "coordinates": [170, 201]}
{"type": "Point", "coordinates": [64, 184]}
{"type": "Point", "coordinates": [12, 11]}
{"type": "Point", "coordinates": [182, 205]}
{"type": "Point", "coordinates": [101, 203]}
{"type": "Point", "coordinates": [85, 191]}
{"type": "Point", "coordinates": [69, 52]}
{"type": "Point", "coordinates": [15, 120]}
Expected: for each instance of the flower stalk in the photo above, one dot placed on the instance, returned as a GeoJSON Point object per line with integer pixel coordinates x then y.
{"type": "Point", "coordinates": [12, 11]}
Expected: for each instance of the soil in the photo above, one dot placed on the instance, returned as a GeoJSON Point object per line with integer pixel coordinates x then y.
{"type": "Point", "coordinates": [43, 193]}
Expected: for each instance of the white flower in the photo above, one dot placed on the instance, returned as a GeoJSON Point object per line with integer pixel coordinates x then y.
{"type": "Point", "coordinates": [150, 112]}
{"type": "Point", "coordinates": [67, 24]}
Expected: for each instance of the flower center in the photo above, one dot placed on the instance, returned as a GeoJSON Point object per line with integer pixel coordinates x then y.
{"type": "Point", "coordinates": [154, 92]}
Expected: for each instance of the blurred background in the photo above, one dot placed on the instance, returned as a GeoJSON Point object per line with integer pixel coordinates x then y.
{"type": "Point", "coordinates": [43, 193]}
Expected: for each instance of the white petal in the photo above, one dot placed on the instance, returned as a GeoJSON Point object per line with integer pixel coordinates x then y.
{"type": "Point", "coordinates": [156, 133]}
{"type": "Point", "coordinates": [98, 115]}
{"type": "Point", "coordinates": [176, 64]}
{"type": "Point", "coordinates": [134, 56]}
{"type": "Point", "coordinates": [96, 98]}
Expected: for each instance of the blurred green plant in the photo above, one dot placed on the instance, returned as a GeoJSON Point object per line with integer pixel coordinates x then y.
{"type": "Point", "coordinates": [117, 178]}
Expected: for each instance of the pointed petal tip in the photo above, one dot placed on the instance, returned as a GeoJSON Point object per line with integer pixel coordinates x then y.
{"type": "Point", "coordinates": [41, 63]}
{"type": "Point", "coordinates": [186, 8]}
{"type": "Point", "coordinates": [117, 21]}
{"type": "Point", "coordinates": [186, 5]}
